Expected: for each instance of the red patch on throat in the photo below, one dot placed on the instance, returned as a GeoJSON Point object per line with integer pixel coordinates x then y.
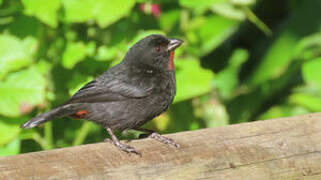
{"type": "Point", "coordinates": [171, 61]}
{"type": "Point", "coordinates": [80, 114]}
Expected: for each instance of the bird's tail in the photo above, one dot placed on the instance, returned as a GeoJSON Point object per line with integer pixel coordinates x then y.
{"type": "Point", "coordinates": [58, 112]}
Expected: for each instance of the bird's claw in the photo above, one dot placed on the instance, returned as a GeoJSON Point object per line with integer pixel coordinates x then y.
{"type": "Point", "coordinates": [163, 139]}
{"type": "Point", "coordinates": [124, 147]}
{"type": "Point", "coordinates": [128, 149]}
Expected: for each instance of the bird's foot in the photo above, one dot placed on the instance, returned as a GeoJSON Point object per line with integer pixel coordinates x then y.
{"type": "Point", "coordinates": [124, 147]}
{"type": "Point", "coordinates": [163, 139]}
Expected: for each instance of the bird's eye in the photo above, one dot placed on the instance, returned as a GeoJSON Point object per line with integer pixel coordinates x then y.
{"type": "Point", "coordinates": [157, 49]}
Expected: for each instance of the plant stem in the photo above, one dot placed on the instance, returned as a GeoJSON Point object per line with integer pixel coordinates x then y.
{"type": "Point", "coordinates": [84, 130]}
{"type": "Point", "coordinates": [48, 135]}
{"type": "Point", "coordinates": [41, 141]}
{"type": "Point", "coordinates": [255, 20]}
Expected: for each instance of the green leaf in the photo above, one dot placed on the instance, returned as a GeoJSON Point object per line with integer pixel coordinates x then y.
{"type": "Point", "coordinates": [276, 59]}
{"type": "Point", "coordinates": [15, 53]}
{"type": "Point", "coordinates": [105, 53]}
{"type": "Point", "coordinates": [74, 53]}
{"type": "Point", "coordinates": [242, 2]}
{"type": "Point", "coordinates": [227, 80]}
{"type": "Point", "coordinates": [91, 48]}
{"type": "Point", "coordinates": [8, 131]}
{"type": "Point", "coordinates": [312, 71]}
{"type": "Point", "coordinates": [111, 11]}
{"type": "Point", "coordinates": [228, 10]}
{"type": "Point", "coordinates": [21, 91]}
{"type": "Point", "coordinates": [281, 52]}
{"type": "Point", "coordinates": [24, 26]}
{"type": "Point", "coordinates": [79, 11]}
{"type": "Point", "coordinates": [211, 111]}
{"type": "Point", "coordinates": [311, 102]}
{"type": "Point", "coordinates": [205, 34]}
{"type": "Point", "coordinates": [44, 67]}
{"type": "Point", "coordinates": [168, 20]}
{"type": "Point", "coordinates": [105, 12]}
{"type": "Point", "coordinates": [12, 148]}
{"type": "Point", "coordinates": [46, 11]}
{"type": "Point", "coordinates": [283, 111]}
{"type": "Point", "coordinates": [199, 3]}
{"type": "Point", "coordinates": [191, 79]}
{"type": "Point", "coordinates": [309, 47]}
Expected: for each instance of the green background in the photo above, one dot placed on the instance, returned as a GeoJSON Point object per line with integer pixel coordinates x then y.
{"type": "Point", "coordinates": [242, 60]}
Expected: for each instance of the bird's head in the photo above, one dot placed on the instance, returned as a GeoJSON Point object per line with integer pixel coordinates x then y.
{"type": "Point", "coordinates": [154, 51]}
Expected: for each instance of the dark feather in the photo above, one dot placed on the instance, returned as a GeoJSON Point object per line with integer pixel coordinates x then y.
{"type": "Point", "coordinates": [111, 87]}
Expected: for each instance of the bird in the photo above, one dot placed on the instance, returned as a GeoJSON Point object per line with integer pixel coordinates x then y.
{"type": "Point", "coordinates": [127, 95]}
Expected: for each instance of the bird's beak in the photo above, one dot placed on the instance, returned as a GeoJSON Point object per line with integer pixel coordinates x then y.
{"type": "Point", "coordinates": [173, 44]}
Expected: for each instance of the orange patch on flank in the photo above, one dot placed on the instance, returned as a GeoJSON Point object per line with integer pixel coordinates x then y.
{"type": "Point", "coordinates": [171, 61]}
{"type": "Point", "coordinates": [80, 114]}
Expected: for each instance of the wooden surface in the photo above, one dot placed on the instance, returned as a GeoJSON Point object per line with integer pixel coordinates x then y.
{"type": "Point", "coordinates": [287, 148]}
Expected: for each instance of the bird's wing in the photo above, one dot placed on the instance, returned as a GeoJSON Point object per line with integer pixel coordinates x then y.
{"type": "Point", "coordinates": [109, 89]}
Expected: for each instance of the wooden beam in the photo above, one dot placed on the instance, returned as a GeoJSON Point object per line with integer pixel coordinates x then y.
{"type": "Point", "coordinates": [285, 148]}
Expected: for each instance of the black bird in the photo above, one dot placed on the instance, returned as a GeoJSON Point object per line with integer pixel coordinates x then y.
{"type": "Point", "coordinates": [127, 95]}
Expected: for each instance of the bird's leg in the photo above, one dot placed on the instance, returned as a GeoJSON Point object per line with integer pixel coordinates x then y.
{"type": "Point", "coordinates": [158, 137]}
{"type": "Point", "coordinates": [123, 147]}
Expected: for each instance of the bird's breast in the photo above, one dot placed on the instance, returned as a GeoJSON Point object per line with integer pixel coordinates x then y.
{"type": "Point", "coordinates": [165, 91]}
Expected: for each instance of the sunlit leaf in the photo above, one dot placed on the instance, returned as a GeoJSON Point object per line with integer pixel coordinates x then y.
{"type": "Point", "coordinates": [309, 47]}
{"type": "Point", "coordinates": [46, 11]}
{"type": "Point", "coordinates": [192, 79]}
{"type": "Point", "coordinates": [21, 91]}
{"type": "Point", "coordinates": [104, 12]}
{"type": "Point", "coordinates": [311, 102]}
{"type": "Point", "coordinates": [75, 52]}
{"type": "Point", "coordinates": [105, 53]}
{"type": "Point", "coordinates": [111, 11]}
{"type": "Point", "coordinates": [160, 123]}
{"type": "Point", "coordinates": [281, 51]}
{"type": "Point", "coordinates": [168, 19]}
{"type": "Point", "coordinates": [79, 11]}
{"type": "Point", "coordinates": [312, 71]}
{"type": "Point", "coordinates": [211, 111]}
{"type": "Point", "coordinates": [91, 48]}
{"type": "Point", "coordinates": [282, 111]}
{"type": "Point", "coordinates": [210, 32]}
{"type": "Point", "coordinates": [8, 131]}
{"type": "Point", "coordinates": [12, 148]}
{"type": "Point", "coordinates": [199, 3]}
{"type": "Point", "coordinates": [44, 67]}
{"type": "Point", "coordinates": [227, 80]}
{"type": "Point", "coordinates": [242, 2]}
{"type": "Point", "coordinates": [276, 58]}
{"type": "Point", "coordinates": [228, 10]}
{"type": "Point", "coordinates": [15, 53]}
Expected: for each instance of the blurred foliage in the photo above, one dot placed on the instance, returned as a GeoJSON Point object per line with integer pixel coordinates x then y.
{"type": "Point", "coordinates": [242, 60]}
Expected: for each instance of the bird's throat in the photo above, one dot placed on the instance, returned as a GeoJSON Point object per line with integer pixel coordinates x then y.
{"type": "Point", "coordinates": [171, 61]}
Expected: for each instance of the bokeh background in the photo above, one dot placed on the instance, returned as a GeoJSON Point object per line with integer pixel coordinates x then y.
{"type": "Point", "coordinates": [243, 60]}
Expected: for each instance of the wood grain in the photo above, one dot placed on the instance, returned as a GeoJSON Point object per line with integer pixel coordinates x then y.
{"type": "Point", "coordinates": [285, 148]}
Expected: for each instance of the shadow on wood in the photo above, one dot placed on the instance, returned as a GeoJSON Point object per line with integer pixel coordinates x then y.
{"type": "Point", "coordinates": [285, 148]}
